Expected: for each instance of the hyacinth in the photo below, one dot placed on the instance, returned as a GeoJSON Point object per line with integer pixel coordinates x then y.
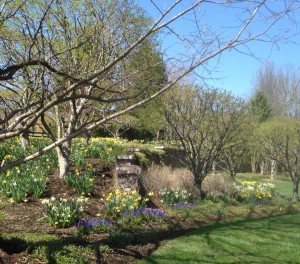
{"type": "Point", "coordinates": [145, 212]}
{"type": "Point", "coordinates": [95, 222]}
{"type": "Point", "coordinates": [184, 205]}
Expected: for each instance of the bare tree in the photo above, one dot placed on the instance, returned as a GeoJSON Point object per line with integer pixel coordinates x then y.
{"type": "Point", "coordinates": [82, 63]}
{"type": "Point", "coordinates": [281, 87]}
{"type": "Point", "coordinates": [206, 122]}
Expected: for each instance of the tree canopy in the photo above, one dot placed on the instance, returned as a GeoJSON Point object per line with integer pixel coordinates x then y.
{"type": "Point", "coordinates": [89, 62]}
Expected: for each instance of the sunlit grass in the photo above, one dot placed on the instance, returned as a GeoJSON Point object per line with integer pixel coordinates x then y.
{"type": "Point", "coordinates": [267, 240]}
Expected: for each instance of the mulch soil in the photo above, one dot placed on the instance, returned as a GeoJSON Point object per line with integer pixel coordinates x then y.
{"type": "Point", "coordinates": [29, 217]}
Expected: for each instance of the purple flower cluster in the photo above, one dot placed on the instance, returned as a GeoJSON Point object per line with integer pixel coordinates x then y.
{"type": "Point", "coordinates": [184, 205]}
{"type": "Point", "coordinates": [92, 223]}
{"type": "Point", "coordinates": [257, 201]}
{"type": "Point", "coordinates": [150, 212]}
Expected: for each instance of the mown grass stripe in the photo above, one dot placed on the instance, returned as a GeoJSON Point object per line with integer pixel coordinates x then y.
{"type": "Point", "coordinates": [266, 240]}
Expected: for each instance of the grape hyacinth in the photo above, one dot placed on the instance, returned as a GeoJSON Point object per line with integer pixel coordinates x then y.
{"type": "Point", "coordinates": [184, 205]}
{"type": "Point", "coordinates": [93, 225]}
{"type": "Point", "coordinates": [150, 212]}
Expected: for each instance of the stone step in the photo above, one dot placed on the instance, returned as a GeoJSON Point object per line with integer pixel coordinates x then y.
{"type": "Point", "coordinates": [130, 169]}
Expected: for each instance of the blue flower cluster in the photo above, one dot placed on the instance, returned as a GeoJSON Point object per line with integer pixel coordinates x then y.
{"type": "Point", "coordinates": [150, 212]}
{"type": "Point", "coordinates": [92, 223]}
{"type": "Point", "coordinates": [257, 201]}
{"type": "Point", "coordinates": [184, 205]}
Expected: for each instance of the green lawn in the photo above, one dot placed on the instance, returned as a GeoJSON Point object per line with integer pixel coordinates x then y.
{"type": "Point", "coordinates": [266, 240]}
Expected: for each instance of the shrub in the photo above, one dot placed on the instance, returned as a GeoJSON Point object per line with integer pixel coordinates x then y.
{"type": "Point", "coordinates": [157, 178]}
{"type": "Point", "coordinates": [217, 185]}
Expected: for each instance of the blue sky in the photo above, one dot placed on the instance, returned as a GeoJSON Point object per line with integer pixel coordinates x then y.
{"type": "Point", "coordinates": [235, 72]}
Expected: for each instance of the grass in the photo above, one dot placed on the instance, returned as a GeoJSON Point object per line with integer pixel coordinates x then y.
{"type": "Point", "coordinates": [267, 240]}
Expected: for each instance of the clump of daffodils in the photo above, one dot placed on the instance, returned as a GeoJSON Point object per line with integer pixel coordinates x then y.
{"type": "Point", "coordinates": [63, 212]}
{"type": "Point", "coordinates": [173, 196]}
{"type": "Point", "coordinates": [254, 191]}
{"type": "Point", "coordinates": [117, 202]}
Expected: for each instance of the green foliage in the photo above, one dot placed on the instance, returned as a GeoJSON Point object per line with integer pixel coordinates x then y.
{"type": "Point", "coordinates": [18, 182]}
{"type": "Point", "coordinates": [172, 196]}
{"type": "Point", "coordinates": [105, 148]}
{"type": "Point", "coordinates": [260, 108]}
{"type": "Point", "coordinates": [217, 211]}
{"type": "Point", "coordinates": [78, 152]}
{"type": "Point", "coordinates": [142, 159]}
{"type": "Point", "coordinates": [37, 186]}
{"type": "Point", "coordinates": [71, 254]}
{"type": "Point", "coordinates": [81, 181]}
{"type": "Point", "coordinates": [29, 179]}
{"type": "Point", "coordinates": [105, 251]}
{"type": "Point", "coordinates": [136, 133]}
{"type": "Point", "coordinates": [118, 237]}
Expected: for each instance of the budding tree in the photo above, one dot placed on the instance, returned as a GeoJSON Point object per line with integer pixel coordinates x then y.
{"type": "Point", "coordinates": [281, 138]}
{"type": "Point", "coordinates": [206, 122]}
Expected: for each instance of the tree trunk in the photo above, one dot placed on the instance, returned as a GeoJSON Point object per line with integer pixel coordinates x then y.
{"type": "Point", "coordinates": [198, 193]}
{"type": "Point", "coordinates": [214, 165]}
{"type": "Point", "coordinates": [87, 138]}
{"type": "Point", "coordinates": [63, 154]}
{"type": "Point", "coordinates": [232, 173]}
{"type": "Point", "coordinates": [157, 134]}
{"type": "Point", "coordinates": [262, 167]}
{"type": "Point", "coordinates": [253, 164]}
{"type": "Point", "coordinates": [25, 140]}
{"type": "Point", "coordinates": [295, 188]}
{"type": "Point", "coordinates": [273, 169]}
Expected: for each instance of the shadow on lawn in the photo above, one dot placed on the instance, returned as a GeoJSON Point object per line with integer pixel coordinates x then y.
{"type": "Point", "coordinates": [259, 228]}
{"type": "Point", "coordinates": [127, 245]}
